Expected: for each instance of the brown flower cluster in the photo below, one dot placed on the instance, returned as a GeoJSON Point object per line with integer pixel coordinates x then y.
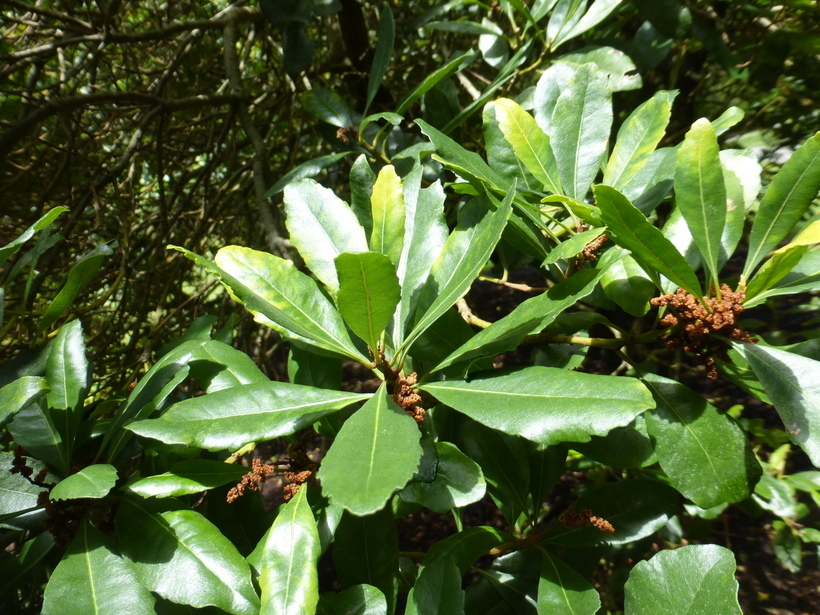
{"type": "Point", "coordinates": [590, 253]}
{"type": "Point", "coordinates": [571, 518]}
{"type": "Point", "coordinates": [251, 480]}
{"type": "Point", "coordinates": [406, 397]}
{"type": "Point", "coordinates": [346, 135]}
{"type": "Point", "coordinates": [695, 325]}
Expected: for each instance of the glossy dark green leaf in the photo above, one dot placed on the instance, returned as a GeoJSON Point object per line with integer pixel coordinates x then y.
{"type": "Point", "coordinates": [693, 579]}
{"type": "Point", "coordinates": [16, 572]}
{"type": "Point", "coordinates": [623, 447]}
{"type": "Point", "coordinates": [93, 579]}
{"type": "Point", "coordinates": [356, 600]}
{"type": "Point", "coordinates": [321, 227]}
{"type": "Point", "coordinates": [376, 452]}
{"type": "Point", "coordinates": [43, 222]}
{"type": "Point", "coordinates": [233, 417]}
{"type": "Point", "coordinates": [562, 591]}
{"type": "Point", "coordinates": [509, 587]}
{"type": "Point", "coordinates": [463, 256]}
{"type": "Point", "coordinates": [362, 179]}
{"type": "Point", "coordinates": [456, 481]}
{"type": "Point", "coordinates": [178, 554]}
{"type": "Point", "coordinates": [531, 316]}
{"type": "Point", "coordinates": [18, 494]}
{"type": "Point", "coordinates": [635, 508]}
{"type": "Point", "coordinates": [185, 477]}
{"type": "Point", "coordinates": [282, 297]}
{"type": "Point", "coordinates": [447, 70]}
{"type": "Point", "coordinates": [366, 551]}
{"type": "Point", "coordinates": [77, 278]}
{"type": "Point", "coordinates": [20, 393]}
{"type": "Point", "coordinates": [791, 382]}
{"type": "Point", "coordinates": [437, 590]}
{"type": "Point", "coordinates": [388, 214]}
{"type": "Point", "coordinates": [633, 231]}
{"type": "Point", "coordinates": [530, 144]}
{"type": "Point", "coordinates": [381, 58]}
{"type": "Point", "coordinates": [368, 293]}
{"type": "Point", "coordinates": [34, 430]}
{"type": "Point", "coordinates": [329, 107]}
{"type": "Point", "coordinates": [546, 405]}
{"type": "Point", "coordinates": [216, 366]}
{"type": "Point", "coordinates": [705, 454]}
{"type": "Point", "coordinates": [465, 547]}
{"type": "Point", "coordinates": [638, 137]}
{"type": "Point", "coordinates": [787, 198]}
{"type": "Point", "coordinates": [94, 481]}
{"type": "Point", "coordinates": [700, 193]}
{"type": "Point", "coordinates": [625, 282]}
{"type": "Point", "coordinates": [286, 560]}
{"type": "Point", "coordinates": [394, 119]}
{"type": "Point", "coordinates": [306, 170]}
{"type": "Point", "coordinates": [579, 130]}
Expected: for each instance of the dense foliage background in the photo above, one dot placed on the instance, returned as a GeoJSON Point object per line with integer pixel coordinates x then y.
{"type": "Point", "coordinates": [174, 123]}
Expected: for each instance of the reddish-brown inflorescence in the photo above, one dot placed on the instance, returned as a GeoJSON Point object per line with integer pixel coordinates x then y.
{"type": "Point", "coordinates": [251, 480]}
{"type": "Point", "coordinates": [571, 518]}
{"type": "Point", "coordinates": [406, 397]}
{"type": "Point", "coordinates": [700, 325]}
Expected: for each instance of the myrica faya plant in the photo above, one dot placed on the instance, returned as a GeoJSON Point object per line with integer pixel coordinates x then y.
{"type": "Point", "coordinates": [386, 279]}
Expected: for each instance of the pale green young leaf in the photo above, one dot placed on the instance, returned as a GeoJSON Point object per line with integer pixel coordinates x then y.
{"type": "Point", "coordinates": [94, 481]}
{"type": "Point", "coordinates": [321, 227]}
{"type": "Point", "coordinates": [376, 453]}
{"type": "Point", "coordinates": [368, 293]}
{"type": "Point", "coordinates": [783, 260]}
{"type": "Point", "coordinates": [700, 193]}
{"type": "Point", "coordinates": [230, 418]}
{"type": "Point", "coordinates": [388, 214]}
{"type": "Point", "coordinates": [805, 276]}
{"type": "Point", "coordinates": [530, 144]}
{"type": "Point", "coordinates": [691, 579]}
{"type": "Point", "coordinates": [546, 405]}
{"type": "Point", "coordinates": [788, 196]}
{"type": "Point", "coordinates": [631, 230]}
{"type": "Point", "coordinates": [705, 454]}
{"type": "Point", "coordinates": [286, 560]}
{"type": "Point", "coordinates": [790, 380]}
{"type": "Point", "coordinates": [637, 138]}
{"type": "Point", "coordinates": [181, 556]}
{"type": "Point", "coordinates": [579, 130]}
{"type": "Point", "coordinates": [91, 578]}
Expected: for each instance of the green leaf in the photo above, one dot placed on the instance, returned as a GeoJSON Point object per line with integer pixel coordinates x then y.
{"type": "Point", "coordinates": [509, 587]}
{"type": "Point", "coordinates": [20, 393]}
{"type": "Point", "coordinates": [637, 138]}
{"type": "Point", "coordinates": [464, 255]}
{"type": "Point", "coordinates": [356, 600]}
{"type": "Point", "coordinates": [233, 417]}
{"type": "Point", "coordinates": [619, 68]}
{"type": "Point", "coordinates": [394, 119]}
{"type": "Point", "coordinates": [445, 71]}
{"type": "Point", "coordinates": [286, 560]}
{"type": "Point", "coordinates": [741, 175]}
{"type": "Point", "coordinates": [381, 58]}
{"type": "Point", "coordinates": [693, 579]}
{"type": "Point", "coordinates": [573, 246]}
{"type": "Point", "coordinates": [282, 297]}
{"type": "Point", "coordinates": [787, 546]}
{"type": "Point", "coordinates": [362, 179]}
{"type": "Point", "coordinates": [805, 276]}
{"type": "Point", "coordinates": [579, 130]}
{"type": "Point", "coordinates": [562, 591]}
{"type": "Point", "coordinates": [376, 452]}
{"type": "Point", "coordinates": [368, 293]}
{"type": "Point", "coordinates": [572, 27]}
{"type": "Point", "coordinates": [791, 382]}
{"type": "Point", "coordinates": [787, 198]}
{"type": "Point", "coordinates": [181, 556]}
{"type": "Point", "coordinates": [552, 82]}
{"type": "Point", "coordinates": [625, 282]}
{"type": "Point", "coordinates": [649, 247]}
{"type": "Point", "coordinates": [700, 193]}
{"type": "Point", "coordinates": [705, 454]}
{"type": "Point", "coordinates": [623, 447]}
{"type": "Point", "coordinates": [546, 405]}
{"type": "Point", "coordinates": [437, 590]}
{"type": "Point", "coordinates": [388, 214]}
{"type": "Point", "coordinates": [91, 578]}
{"type": "Point", "coordinates": [500, 154]}
{"type": "Point", "coordinates": [310, 369]}
{"type": "Point", "coordinates": [77, 278]}
{"type": "Point", "coordinates": [329, 107]}
{"type": "Point", "coordinates": [366, 551]}
{"type": "Point", "coordinates": [19, 496]}
{"type": "Point", "coordinates": [465, 547]}
{"type": "Point", "coordinates": [530, 144]}
{"type": "Point", "coordinates": [216, 366]}
{"type": "Point", "coordinates": [306, 170]}
{"type": "Point", "coordinates": [635, 508]}
{"type": "Point", "coordinates": [727, 119]}
{"type": "Point", "coordinates": [457, 481]}
{"type": "Point", "coordinates": [529, 317]}
{"type": "Point", "coordinates": [34, 430]}
{"type": "Point", "coordinates": [186, 477]}
{"type": "Point", "coordinates": [321, 227]}
{"type": "Point", "coordinates": [94, 481]}
{"type": "Point", "coordinates": [43, 222]}
{"type": "Point", "coordinates": [783, 260]}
